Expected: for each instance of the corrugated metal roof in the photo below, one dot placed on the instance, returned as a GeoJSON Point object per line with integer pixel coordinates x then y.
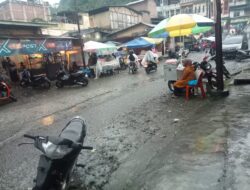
{"type": "Point", "coordinates": [26, 24]}
{"type": "Point", "coordinates": [135, 2]}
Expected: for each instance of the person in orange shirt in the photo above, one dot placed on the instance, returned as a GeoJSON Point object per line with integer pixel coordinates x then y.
{"type": "Point", "coordinates": [187, 75]}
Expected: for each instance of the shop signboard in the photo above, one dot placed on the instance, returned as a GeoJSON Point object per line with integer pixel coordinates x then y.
{"type": "Point", "coordinates": [31, 46]}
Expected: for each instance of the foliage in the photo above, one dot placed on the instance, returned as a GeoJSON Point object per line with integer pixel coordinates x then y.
{"type": "Point", "coordinates": [87, 5]}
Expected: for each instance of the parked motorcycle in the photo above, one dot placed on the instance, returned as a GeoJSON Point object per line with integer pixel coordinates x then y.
{"type": "Point", "coordinates": [242, 54]}
{"type": "Point", "coordinates": [59, 155]}
{"type": "Point", "coordinates": [5, 91]}
{"type": "Point", "coordinates": [77, 78]}
{"type": "Point", "coordinates": [209, 73]}
{"type": "Point", "coordinates": [132, 67]}
{"type": "Point", "coordinates": [226, 73]}
{"type": "Point", "coordinates": [38, 81]}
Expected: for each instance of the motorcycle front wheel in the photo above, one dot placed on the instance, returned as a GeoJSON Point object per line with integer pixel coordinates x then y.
{"type": "Point", "coordinates": [59, 84]}
{"type": "Point", "coordinates": [12, 97]}
{"type": "Point", "coordinates": [46, 85]}
{"type": "Point", "coordinates": [23, 84]}
{"type": "Point", "coordinates": [134, 70]}
{"type": "Point", "coordinates": [84, 82]}
{"type": "Point", "coordinates": [213, 83]}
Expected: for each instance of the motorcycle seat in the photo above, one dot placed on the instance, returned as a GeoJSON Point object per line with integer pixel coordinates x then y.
{"type": "Point", "coordinates": [38, 76]}
{"type": "Point", "coordinates": [77, 74]}
{"type": "Point", "coordinates": [75, 131]}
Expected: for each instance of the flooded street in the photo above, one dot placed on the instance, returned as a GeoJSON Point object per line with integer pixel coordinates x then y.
{"type": "Point", "coordinates": [144, 139]}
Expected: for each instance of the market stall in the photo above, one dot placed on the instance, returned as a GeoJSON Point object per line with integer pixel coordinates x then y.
{"type": "Point", "coordinates": [142, 44]}
{"type": "Point", "coordinates": [106, 62]}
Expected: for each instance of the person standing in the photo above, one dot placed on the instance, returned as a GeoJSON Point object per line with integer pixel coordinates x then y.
{"type": "Point", "coordinates": [4, 64]}
{"type": "Point", "coordinates": [12, 70]}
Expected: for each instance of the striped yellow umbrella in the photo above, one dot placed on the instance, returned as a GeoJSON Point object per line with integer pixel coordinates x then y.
{"type": "Point", "coordinates": [182, 25]}
{"type": "Point", "coordinates": [179, 22]}
{"type": "Point", "coordinates": [185, 24]}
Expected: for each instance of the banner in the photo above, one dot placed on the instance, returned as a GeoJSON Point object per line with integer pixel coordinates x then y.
{"type": "Point", "coordinates": [31, 46]}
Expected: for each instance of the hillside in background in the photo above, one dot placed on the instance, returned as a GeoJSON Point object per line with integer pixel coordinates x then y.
{"type": "Point", "coordinates": [87, 5]}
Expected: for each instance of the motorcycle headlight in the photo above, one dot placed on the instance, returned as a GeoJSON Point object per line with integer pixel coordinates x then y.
{"type": "Point", "coordinates": [208, 67]}
{"type": "Point", "coordinates": [53, 151]}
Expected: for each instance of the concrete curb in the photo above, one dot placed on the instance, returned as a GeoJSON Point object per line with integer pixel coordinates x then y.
{"type": "Point", "coordinates": [243, 79]}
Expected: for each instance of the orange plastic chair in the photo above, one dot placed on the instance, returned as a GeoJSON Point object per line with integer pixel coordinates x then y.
{"type": "Point", "coordinates": [190, 88]}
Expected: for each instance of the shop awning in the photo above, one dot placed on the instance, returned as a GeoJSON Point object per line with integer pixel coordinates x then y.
{"type": "Point", "coordinates": [27, 46]}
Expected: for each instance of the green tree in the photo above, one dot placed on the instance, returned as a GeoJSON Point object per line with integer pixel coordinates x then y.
{"type": "Point", "coordinates": [87, 5]}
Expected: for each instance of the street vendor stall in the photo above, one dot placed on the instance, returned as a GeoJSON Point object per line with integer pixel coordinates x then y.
{"type": "Point", "coordinates": [106, 63]}
{"type": "Point", "coordinates": [142, 44]}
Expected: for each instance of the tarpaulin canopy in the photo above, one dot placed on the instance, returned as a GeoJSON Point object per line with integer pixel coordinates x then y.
{"type": "Point", "coordinates": [98, 47]}
{"type": "Point", "coordinates": [153, 40]}
{"type": "Point", "coordinates": [138, 43]}
{"type": "Point", "coordinates": [10, 46]}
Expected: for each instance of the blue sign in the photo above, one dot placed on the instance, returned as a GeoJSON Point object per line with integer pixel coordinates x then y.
{"type": "Point", "coordinates": [31, 46]}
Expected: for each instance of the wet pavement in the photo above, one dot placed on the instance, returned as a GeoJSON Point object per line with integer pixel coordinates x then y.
{"type": "Point", "coordinates": [143, 138]}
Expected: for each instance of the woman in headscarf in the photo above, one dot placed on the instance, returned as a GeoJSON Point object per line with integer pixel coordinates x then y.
{"type": "Point", "coordinates": [187, 75]}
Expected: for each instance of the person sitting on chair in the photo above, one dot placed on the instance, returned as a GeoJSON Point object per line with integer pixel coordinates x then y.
{"type": "Point", "coordinates": [187, 75]}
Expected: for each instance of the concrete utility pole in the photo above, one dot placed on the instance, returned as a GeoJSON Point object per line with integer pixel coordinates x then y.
{"type": "Point", "coordinates": [79, 33]}
{"type": "Point", "coordinates": [208, 2]}
{"type": "Point", "coordinates": [219, 54]}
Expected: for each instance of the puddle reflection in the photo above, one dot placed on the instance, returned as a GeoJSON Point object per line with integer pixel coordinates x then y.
{"type": "Point", "coordinates": [47, 121]}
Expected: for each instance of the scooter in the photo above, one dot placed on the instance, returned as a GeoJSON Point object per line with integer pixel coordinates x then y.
{"type": "Point", "coordinates": [123, 65]}
{"type": "Point", "coordinates": [37, 81]}
{"type": "Point", "coordinates": [132, 67]}
{"type": "Point", "coordinates": [185, 53]}
{"type": "Point", "coordinates": [152, 66]}
{"type": "Point", "coordinates": [5, 91]}
{"type": "Point", "coordinates": [209, 72]}
{"type": "Point", "coordinates": [226, 73]}
{"type": "Point", "coordinates": [59, 156]}
{"type": "Point", "coordinates": [242, 54]}
{"type": "Point", "coordinates": [76, 78]}
{"type": "Point", "coordinates": [88, 72]}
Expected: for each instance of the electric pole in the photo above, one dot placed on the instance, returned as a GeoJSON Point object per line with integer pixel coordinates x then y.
{"type": "Point", "coordinates": [79, 33]}
{"type": "Point", "coordinates": [219, 54]}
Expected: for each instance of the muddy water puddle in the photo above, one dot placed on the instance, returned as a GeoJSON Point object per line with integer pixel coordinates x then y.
{"type": "Point", "coordinates": [122, 137]}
